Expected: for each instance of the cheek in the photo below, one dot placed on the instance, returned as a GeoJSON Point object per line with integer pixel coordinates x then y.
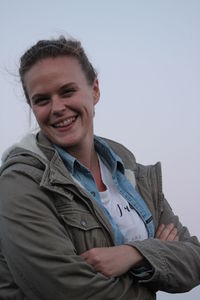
{"type": "Point", "coordinates": [41, 115]}
{"type": "Point", "coordinates": [89, 105]}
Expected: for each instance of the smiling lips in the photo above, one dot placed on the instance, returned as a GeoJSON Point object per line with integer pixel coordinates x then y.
{"type": "Point", "coordinates": [65, 122]}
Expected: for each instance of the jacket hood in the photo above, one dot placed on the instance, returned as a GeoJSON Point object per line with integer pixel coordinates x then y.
{"type": "Point", "coordinates": [28, 142]}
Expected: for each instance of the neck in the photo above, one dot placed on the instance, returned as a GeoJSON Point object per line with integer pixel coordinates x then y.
{"type": "Point", "coordinates": [87, 156]}
{"type": "Point", "coordinates": [85, 153]}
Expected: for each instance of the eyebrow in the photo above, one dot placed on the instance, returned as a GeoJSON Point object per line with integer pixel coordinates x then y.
{"type": "Point", "coordinates": [67, 85]}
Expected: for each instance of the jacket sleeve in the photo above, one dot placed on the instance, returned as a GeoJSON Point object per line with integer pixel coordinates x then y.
{"type": "Point", "coordinates": [176, 264]}
{"type": "Point", "coordinates": [39, 253]}
{"type": "Point", "coordinates": [8, 288]}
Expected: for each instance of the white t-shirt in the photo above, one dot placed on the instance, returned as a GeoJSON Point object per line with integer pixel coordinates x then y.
{"type": "Point", "coordinates": [129, 222]}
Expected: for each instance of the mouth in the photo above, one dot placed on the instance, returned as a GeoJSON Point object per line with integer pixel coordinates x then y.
{"type": "Point", "coordinates": [65, 123]}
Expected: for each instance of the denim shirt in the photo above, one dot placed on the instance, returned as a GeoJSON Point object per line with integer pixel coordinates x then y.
{"type": "Point", "coordinates": [126, 189]}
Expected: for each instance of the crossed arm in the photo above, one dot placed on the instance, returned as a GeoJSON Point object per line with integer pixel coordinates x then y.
{"type": "Point", "coordinates": [46, 255]}
{"type": "Point", "coordinates": [115, 261]}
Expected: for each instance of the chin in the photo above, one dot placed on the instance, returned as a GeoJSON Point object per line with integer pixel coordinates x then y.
{"type": "Point", "coordinates": [66, 143]}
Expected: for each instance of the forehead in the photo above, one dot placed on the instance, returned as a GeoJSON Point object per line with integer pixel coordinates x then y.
{"type": "Point", "coordinates": [52, 69]}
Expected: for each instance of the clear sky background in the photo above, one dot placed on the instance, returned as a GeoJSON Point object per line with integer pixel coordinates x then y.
{"type": "Point", "coordinates": [147, 54]}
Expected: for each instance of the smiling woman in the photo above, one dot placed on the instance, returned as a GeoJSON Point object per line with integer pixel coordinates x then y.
{"type": "Point", "coordinates": [83, 219]}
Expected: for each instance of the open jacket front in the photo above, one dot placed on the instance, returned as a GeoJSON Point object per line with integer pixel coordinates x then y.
{"type": "Point", "coordinates": [47, 220]}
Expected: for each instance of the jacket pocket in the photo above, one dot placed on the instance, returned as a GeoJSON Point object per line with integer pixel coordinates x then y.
{"type": "Point", "coordinates": [84, 230]}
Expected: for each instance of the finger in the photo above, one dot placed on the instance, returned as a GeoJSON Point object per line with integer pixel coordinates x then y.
{"type": "Point", "coordinates": [159, 230]}
{"type": "Point", "coordinates": [87, 257]}
{"type": "Point", "coordinates": [91, 262]}
{"type": "Point", "coordinates": [165, 233]}
{"type": "Point", "coordinates": [172, 235]}
{"type": "Point", "coordinates": [84, 255]}
{"type": "Point", "coordinates": [176, 238]}
{"type": "Point", "coordinates": [89, 253]}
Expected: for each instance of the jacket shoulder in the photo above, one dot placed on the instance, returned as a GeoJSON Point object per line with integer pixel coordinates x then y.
{"type": "Point", "coordinates": [151, 174]}
{"type": "Point", "coordinates": [149, 185]}
{"type": "Point", "coordinates": [23, 161]}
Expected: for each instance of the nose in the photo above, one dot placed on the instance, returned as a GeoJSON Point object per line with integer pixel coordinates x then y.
{"type": "Point", "coordinates": [57, 105]}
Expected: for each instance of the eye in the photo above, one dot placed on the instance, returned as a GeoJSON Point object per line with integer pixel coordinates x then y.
{"type": "Point", "coordinates": [68, 92]}
{"type": "Point", "coordinates": [40, 101]}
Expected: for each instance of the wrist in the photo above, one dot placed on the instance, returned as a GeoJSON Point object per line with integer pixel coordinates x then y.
{"type": "Point", "coordinates": [136, 258]}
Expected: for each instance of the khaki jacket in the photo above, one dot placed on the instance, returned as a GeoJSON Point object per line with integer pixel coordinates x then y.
{"type": "Point", "coordinates": [47, 220]}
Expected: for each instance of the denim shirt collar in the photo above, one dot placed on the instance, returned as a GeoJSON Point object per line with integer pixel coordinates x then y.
{"type": "Point", "coordinates": [110, 159]}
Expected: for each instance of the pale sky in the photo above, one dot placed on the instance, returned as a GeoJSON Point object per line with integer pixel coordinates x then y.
{"type": "Point", "coordinates": [146, 53]}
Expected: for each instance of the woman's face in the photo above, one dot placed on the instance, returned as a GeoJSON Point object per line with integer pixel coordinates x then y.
{"type": "Point", "coordinates": [62, 100]}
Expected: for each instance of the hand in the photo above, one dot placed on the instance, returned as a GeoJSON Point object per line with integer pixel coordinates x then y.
{"type": "Point", "coordinates": [167, 233]}
{"type": "Point", "coordinates": [113, 261]}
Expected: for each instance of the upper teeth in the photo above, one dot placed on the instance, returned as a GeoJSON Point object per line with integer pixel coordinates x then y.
{"type": "Point", "coordinates": [65, 122]}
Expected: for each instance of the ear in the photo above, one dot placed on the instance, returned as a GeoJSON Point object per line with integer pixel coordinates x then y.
{"type": "Point", "coordinates": [96, 91]}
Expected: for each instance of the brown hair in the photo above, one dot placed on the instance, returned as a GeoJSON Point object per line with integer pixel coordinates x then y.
{"type": "Point", "coordinates": [54, 48]}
